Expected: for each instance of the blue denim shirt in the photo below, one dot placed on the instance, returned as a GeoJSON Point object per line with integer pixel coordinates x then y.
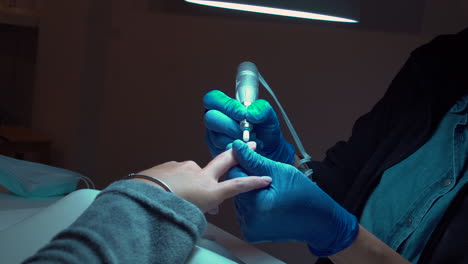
{"type": "Point", "coordinates": [412, 196]}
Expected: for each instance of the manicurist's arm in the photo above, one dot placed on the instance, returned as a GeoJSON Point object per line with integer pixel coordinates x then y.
{"type": "Point", "coordinates": [294, 208]}
{"type": "Point", "coordinates": [367, 249]}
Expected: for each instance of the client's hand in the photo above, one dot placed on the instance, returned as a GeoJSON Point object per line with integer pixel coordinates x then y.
{"type": "Point", "coordinates": [200, 186]}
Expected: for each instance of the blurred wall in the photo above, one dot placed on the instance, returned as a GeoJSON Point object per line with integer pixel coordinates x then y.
{"type": "Point", "coordinates": [18, 47]}
{"type": "Point", "coordinates": [119, 88]}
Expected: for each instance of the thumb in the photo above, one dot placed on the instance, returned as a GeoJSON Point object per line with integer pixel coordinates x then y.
{"type": "Point", "coordinates": [261, 112]}
{"type": "Point", "coordinates": [217, 100]}
{"type": "Point", "coordinates": [252, 162]}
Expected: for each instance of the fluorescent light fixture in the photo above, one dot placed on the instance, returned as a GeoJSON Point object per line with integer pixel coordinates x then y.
{"type": "Point", "coordinates": [328, 10]}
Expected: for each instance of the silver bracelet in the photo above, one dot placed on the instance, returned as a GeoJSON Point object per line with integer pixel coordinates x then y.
{"type": "Point", "coordinates": [150, 178]}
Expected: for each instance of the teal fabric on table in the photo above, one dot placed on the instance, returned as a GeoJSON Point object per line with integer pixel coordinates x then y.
{"type": "Point", "coordinates": [412, 196]}
{"type": "Point", "coordinates": [31, 179]}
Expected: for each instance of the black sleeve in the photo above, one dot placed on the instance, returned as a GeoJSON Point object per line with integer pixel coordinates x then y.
{"type": "Point", "coordinates": [371, 135]}
{"type": "Point", "coordinates": [429, 83]}
{"type": "Point", "coordinates": [425, 88]}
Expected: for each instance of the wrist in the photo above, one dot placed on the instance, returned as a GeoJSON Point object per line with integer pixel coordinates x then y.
{"type": "Point", "coordinates": [344, 237]}
{"type": "Point", "coordinates": [367, 248]}
{"type": "Point", "coordinates": [154, 181]}
{"type": "Point", "coordinates": [147, 182]}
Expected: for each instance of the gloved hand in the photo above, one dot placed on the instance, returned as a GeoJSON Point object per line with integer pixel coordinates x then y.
{"type": "Point", "coordinates": [222, 123]}
{"type": "Point", "coordinates": [291, 208]}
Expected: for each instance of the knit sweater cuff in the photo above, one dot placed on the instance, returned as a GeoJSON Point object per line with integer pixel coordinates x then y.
{"type": "Point", "coordinates": [176, 209]}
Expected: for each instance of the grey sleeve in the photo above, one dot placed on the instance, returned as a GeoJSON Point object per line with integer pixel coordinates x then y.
{"type": "Point", "coordinates": [129, 222]}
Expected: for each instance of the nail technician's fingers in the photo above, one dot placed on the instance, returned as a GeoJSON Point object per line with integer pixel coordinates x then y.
{"type": "Point", "coordinates": [239, 185]}
{"type": "Point", "coordinates": [219, 140]}
{"type": "Point", "coordinates": [219, 122]}
{"type": "Point", "coordinates": [260, 112]}
{"type": "Point", "coordinates": [218, 100]}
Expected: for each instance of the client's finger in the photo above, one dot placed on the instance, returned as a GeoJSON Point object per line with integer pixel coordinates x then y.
{"type": "Point", "coordinates": [236, 186]}
{"type": "Point", "coordinates": [223, 162]}
{"type": "Point", "coordinates": [220, 164]}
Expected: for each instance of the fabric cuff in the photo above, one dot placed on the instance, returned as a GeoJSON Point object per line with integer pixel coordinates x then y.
{"type": "Point", "coordinates": [172, 206]}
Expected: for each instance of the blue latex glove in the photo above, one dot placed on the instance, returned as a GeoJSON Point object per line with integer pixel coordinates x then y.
{"type": "Point", "coordinates": [291, 208]}
{"type": "Point", "coordinates": [222, 123]}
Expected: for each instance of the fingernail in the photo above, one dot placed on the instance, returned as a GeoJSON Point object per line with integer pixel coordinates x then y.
{"type": "Point", "coordinates": [252, 144]}
{"type": "Point", "coordinates": [267, 178]}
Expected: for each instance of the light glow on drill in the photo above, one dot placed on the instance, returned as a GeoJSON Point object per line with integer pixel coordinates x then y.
{"type": "Point", "coordinates": [246, 92]}
{"type": "Point", "coordinates": [245, 126]}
